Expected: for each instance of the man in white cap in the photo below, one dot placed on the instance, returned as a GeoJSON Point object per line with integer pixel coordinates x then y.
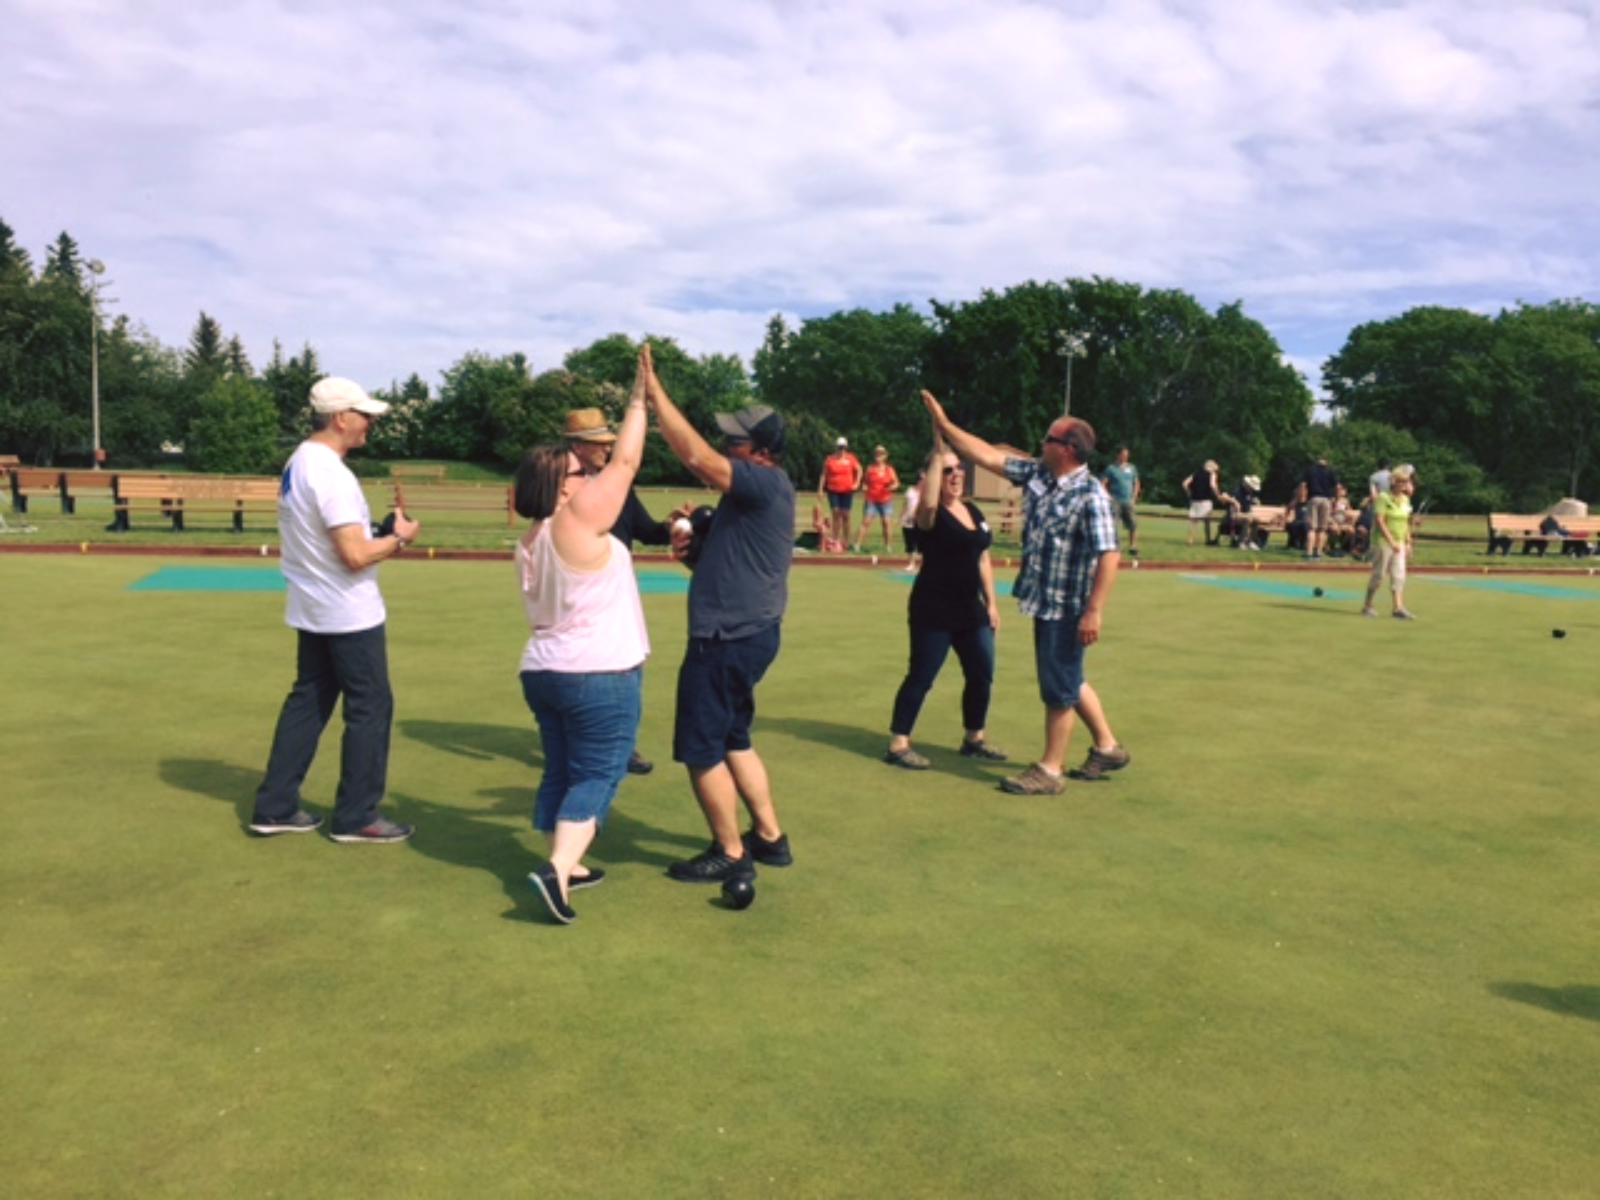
{"type": "Point", "coordinates": [330, 559]}
{"type": "Point", "coordinates": [841, 479]}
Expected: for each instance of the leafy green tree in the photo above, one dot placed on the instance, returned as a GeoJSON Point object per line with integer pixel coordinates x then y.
{"type": "Point", "coordinates": [15, 265]}
{"type": "Point", "coordinates": [64, 264]}
{"type": "Point", "coordinates": [288, 383]}
{"type": "Point", "coordinates": [142, 395]}
{"type": "Point", "coordinates": [857, 374]}
{"type": "Point", "coordinates": [402, 431]}
{"type": "Point", "coordinates": [235, 431]}
{"type": "Point", "coordinates": [45, 330]}
{"type": "Point", "coordinates": [478, 407]}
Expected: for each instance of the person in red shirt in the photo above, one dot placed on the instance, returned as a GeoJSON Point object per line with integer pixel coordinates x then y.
{"type": "Point", "coordinates": [841, 479]}
{"type": "Point", "coordinates": [881, 482]}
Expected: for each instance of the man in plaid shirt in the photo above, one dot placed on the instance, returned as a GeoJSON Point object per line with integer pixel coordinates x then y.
{"type": "Point", "coordinates": [1069, 563]}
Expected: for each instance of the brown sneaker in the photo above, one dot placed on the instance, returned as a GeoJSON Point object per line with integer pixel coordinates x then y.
{"type": "Point", "coordinates": [1035, 781]}
{"type": "Point", "coordinates": [1099, 763]}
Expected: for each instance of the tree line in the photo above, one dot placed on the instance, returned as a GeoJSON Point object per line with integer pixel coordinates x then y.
{"type": "Point", "coordinates": [1495, 412]}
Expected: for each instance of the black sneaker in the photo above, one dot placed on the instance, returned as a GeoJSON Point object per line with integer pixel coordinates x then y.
{"type": "Point", "coordinates": [982, 750]}
{"type": "Point", "coordinates": [639, 766]}
{"type": "Point", "coordinates": [544, 882]}
{"type": "Point", "coordinates": [769, 854]}
{"type": "Point", "coordinates": [380, 830]}
{"type": "Point", "coordinates": [300, 822]}
{"type": "Point", "coordinates": [594, 878]}
{"type": "Point", "coordinates": [713, 866]}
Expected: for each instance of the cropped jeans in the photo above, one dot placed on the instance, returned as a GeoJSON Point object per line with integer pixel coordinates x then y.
{"type": "Point", "coordinates": [587, 725]}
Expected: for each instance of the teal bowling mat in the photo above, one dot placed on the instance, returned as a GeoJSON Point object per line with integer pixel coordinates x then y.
{"type": "Point", "coordinates": [1542, 591]}
{"type": "Point", "coordinates": [210, 579]}
{"type": "Point", "coordinates": [1274, 587]}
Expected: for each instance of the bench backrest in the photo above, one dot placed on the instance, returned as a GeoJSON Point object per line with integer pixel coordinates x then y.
{"type": "Point", "coordinates": [36, 480]}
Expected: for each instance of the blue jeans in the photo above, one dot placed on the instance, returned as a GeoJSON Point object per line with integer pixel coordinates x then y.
{"type": "Point", "coordinates": [929, 647]}
{"type": "Point", "coordinates": [587, 723]}
{"type": "Point", "coordinates": [1058, 658]}
{"type": "Point", "coordinates": [356, 666]}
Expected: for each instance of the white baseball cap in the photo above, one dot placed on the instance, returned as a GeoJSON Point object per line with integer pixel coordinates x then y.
{"type": "Point", "coordinates": [335, 395]}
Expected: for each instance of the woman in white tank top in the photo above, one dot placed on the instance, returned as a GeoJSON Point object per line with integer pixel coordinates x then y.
{"type": "Point", "coordinates": [581, 667]}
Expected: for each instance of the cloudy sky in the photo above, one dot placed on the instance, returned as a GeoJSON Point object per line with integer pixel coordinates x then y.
{"type": "Point", "coordinates": [399, 182]}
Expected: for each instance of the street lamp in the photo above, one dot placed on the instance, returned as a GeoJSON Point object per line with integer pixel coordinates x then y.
{"type": "Point", "coordinates": [1072, 345]}
{"type": "Point", "coordinates": [98, 268]}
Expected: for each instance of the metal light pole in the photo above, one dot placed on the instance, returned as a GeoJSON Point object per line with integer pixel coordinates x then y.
{"type": "Point", "coordinates": [98, 268]}
{"type": "Point", "coordinates": [1072, 345]}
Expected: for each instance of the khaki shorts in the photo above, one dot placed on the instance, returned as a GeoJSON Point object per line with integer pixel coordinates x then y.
{"type": "Point", "coordinates": [1387, 561]}
{"type": "Point", "coordinates": [1321, 509]}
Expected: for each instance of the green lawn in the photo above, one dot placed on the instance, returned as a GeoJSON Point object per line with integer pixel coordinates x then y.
{"type": "Point", "coordinates": [1332, 934]}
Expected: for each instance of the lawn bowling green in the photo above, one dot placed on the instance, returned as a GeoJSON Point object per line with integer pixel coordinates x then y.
{"type": "Point", "coordinates": [1330, 935]}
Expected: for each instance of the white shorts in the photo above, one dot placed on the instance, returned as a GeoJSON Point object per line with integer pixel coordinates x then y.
{"type": "Point", "coordinates": [1390, 562]}
{"type": "Point", "coordinates": [1199, 510]}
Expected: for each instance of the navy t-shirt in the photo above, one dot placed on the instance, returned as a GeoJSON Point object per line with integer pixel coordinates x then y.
{"type": "Point", "coordinates": [741, 583]}
{"type": "Point", "coordinates": [948, 593]}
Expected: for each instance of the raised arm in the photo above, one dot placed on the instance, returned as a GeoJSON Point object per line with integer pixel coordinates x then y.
{"type": "Point", "coordinates": [694, 452]}
{"type": "Point", "coordinates": [594, 508]}
{"type": "Point", "coordinates": [969, 446]}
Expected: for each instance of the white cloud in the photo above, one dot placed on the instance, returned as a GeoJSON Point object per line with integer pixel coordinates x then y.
{"type": "Point", "coordinates": [399, 183]}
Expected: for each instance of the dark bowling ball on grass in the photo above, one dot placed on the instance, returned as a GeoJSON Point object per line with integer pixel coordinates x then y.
{"type": "Point", "coordinates": [739, 893]}
{"type": "Point", "coordinates": [1316, 592]}
{"type": "Point", "coordinates": [1558, 633]}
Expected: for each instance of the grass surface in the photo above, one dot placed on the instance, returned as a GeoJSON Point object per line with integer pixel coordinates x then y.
{"type": "Point", "coordinates": [1332, 933]}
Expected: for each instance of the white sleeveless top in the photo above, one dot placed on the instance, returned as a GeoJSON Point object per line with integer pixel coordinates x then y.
{"type": "Point", "coordinates": [580, 621]}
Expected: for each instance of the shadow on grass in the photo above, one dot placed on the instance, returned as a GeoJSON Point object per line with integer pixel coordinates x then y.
{"type": "Point", "coordinates": [519, 743]}
{"type": "Point", "coordinates": [852, 739]}
{"type": "Point", "coordinates": [1574, 1000]}
{"type": "Point", "coordinates": [222, 781]}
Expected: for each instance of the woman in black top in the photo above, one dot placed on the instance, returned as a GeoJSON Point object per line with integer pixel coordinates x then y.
{"type": "Point", "coordinates": [952, 607]}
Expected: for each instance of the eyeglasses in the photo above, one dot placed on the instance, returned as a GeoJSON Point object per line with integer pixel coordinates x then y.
{"type": "Point", "coordinates": [1050, 438]}
{"type": "Point", "coordinates": [954, 470]}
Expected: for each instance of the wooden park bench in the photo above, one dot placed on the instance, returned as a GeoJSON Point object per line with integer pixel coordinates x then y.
{"type": "Point", "coordinates": [1505, 528]}
{"type": "Point", "coordinates": [421, 500]}
{"type": "Point", "coordinates": [28, 482]}
{"type": "Point", "coordinates": [79, 485]}
{"type": "Point", "coordinates": [413, 471]}
{"type": "Point", "coordinates": [180, 496]}
{"type": "Point", "coordinates": [8, 464]}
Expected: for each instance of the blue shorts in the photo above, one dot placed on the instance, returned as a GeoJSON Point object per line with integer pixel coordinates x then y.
{"type": "Point", "coordinates": [884, 509]}
{"type": "Point", "coordinates": [717, 696]}
{"type": "Point", "coordinates": [1058, 659]}
{"type": "Point", "coordinates": [841, 501]}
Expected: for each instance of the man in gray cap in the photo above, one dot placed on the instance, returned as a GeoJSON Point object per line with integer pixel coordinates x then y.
{"type": "Point", "coordinates": [736, 604]}
{"type": "Point", "coordinates": [330, 563]}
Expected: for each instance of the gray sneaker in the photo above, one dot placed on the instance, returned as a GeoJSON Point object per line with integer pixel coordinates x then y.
{"type": "Point", "coordinates": [1035, 781]}
{"type": "Point", "coordinates": [380, 830]}
{"type": "Point", "coordinates": [1099, 763]}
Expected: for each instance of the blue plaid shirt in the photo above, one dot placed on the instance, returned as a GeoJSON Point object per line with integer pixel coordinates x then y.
{"type": "Point", "coordinates": [1067, 524]}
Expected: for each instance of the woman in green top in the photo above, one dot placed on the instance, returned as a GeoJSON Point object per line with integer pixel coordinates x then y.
{"type": "Point", "coordinates": [1391, 545]}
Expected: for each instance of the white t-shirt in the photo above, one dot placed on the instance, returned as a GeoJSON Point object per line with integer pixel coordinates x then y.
{"type": "Point", "coordinates": [319, 494]}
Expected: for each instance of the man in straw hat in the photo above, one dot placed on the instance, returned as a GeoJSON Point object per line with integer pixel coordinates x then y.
{"type": "Point", "coordinates": [590, 439]}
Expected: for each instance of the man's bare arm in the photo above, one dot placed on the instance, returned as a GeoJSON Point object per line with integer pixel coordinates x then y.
{"type": "Point", "coordinates": [693, 451]}
{"type": "Point", "coordinates": [969, 446]}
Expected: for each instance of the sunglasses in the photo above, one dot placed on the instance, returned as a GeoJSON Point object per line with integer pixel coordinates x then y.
{"type": "Point", "coordinates": [954, 471]}
{"type": "Point", "coordinates": [1052, 438]}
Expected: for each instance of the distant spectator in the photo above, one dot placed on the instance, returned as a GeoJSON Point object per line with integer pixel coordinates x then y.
{"type": "Point", "coordinates": [1320, 484]}
{"type": "Point", "coordinates": [881, 483]}
{"type": "Point", "coordinates": [1297, 518]}
{"type": "Point", "coordinates": [1121, 480]}
{"type": "Point", "coordinates": [1239, 525]}
{"type": "Point", "coordinates": [841, 479]}
{"type": "Point", "coordinates": [908, 523]}
{"type": "Point", "coordinates": [1341, 521]}
{"type": "Point", "coordinates": [1203, 491]}
{"type": "Point", "coordinates": [1391, 544]}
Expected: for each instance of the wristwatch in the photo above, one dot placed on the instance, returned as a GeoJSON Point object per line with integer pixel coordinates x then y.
{"type": "Point", "coordinates": [400, 543]}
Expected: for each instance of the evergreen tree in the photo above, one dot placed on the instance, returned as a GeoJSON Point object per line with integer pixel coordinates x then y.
{"type": "Point", "coordinates": [15, 265]}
